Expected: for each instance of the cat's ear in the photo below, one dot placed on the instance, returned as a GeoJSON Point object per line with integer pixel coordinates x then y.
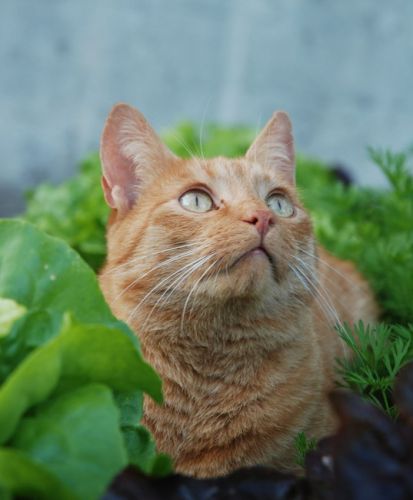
{"type": "Point", "coordinates": [131, 154]}
{"type": "Point", "coordinates": [274, 146]}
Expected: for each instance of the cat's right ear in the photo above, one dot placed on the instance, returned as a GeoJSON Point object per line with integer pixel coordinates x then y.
{"type": "Point", "coordinates": [131, 154]}
{"type": "Point", "coordinates": [274, 146]}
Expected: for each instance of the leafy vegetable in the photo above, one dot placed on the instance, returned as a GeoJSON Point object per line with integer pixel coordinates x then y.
{"type": "Point", "coordinates": [379, 353]}
{"type": "Point", "coordinates": [373, 228]}
{"type": "Point", "coordinates": [23, 477]}
{"type": "Point", "coordinates": [10, 311]}
{"type": "Point", "coordinates": [76, 437]}
{"type": "Point", "coordinates": [74, 211]}
{"type": "Point", "coordinates": [303, 445]}
{"type": "Point", "coordinates": [71, 374]}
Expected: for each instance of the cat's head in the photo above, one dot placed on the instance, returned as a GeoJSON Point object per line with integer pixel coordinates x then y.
{"type": "Point", "coordinates": [187, 230]}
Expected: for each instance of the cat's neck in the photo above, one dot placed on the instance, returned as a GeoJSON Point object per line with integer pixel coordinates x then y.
{"type": "Point", "coordinates": [236, 343]}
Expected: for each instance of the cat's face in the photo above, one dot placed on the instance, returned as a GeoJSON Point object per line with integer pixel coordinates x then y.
{"type": "Point", "coordinates": [195, 230]}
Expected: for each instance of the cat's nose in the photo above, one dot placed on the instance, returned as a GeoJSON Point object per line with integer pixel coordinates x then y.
{"type": "Point", "coordinates": [261, 219]}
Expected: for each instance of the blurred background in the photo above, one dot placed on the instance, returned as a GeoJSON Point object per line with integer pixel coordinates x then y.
{"type": "Point", "coordinates": [342, 70]}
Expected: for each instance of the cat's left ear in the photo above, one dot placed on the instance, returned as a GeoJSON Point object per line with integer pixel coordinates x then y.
{"type": "Point", "coordinates": [274, 146]}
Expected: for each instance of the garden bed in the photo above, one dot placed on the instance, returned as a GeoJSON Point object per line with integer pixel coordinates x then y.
{"type": "Point", "coordinates": [71, 373]}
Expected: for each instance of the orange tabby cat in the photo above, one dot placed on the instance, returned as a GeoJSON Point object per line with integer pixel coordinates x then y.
{"type": "Point", "coordinates": [213, 264]}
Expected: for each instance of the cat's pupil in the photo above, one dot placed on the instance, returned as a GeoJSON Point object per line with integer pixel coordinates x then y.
{"type": "Point", "coordinates": [196, 201]}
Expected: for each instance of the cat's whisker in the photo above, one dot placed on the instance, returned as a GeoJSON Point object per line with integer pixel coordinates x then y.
{"type": "Point", "coordinates": [175, 283]}
{"type": "Point", "coordinates": [303, 279]}
{"type": "Point", "coordinates": [162, 264]}
{"type": "Point", "coordinates": [133, 260]}
{"type": "Point", "coordinates": [353, 285]}
{"type": "Point", "coordinates": [323, 261]}
{"type": "Point", "coordinates": [317, 280]}
{"type": "Point", "coordinates": [193, 289]}
{"type": "Point", "coordinates": [201, 149]}
{"type": "Point", "coordinates": [310, 286]}
{"type": "Point", "coordinates": [159, 284]}
{"type": "Point", "coordinates": [187, 149]}
{"type": "Point", "coordinates": [318, 288]}
{"type": "Point", "coordinates": [332, 308]}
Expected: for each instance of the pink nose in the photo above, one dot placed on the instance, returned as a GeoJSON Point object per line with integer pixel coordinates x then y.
{"type": "Point", "coordinates": [261, 219]}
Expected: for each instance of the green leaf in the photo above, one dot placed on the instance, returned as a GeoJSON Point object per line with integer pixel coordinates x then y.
{"type": "Point", "coordinates": [80, 354]}
{"type": "Point", "coordinates": [75, 211]}
{"type": "Point", "coordinates": [303, 445]}
{"type": "Point", "coordinates": [48, 278]}
{"type": "Point", "coordinates": [142, 452]}
{"type": "Point", "coordinates": [42, 272]}
{"type": "Point", "coordinates": [130, 405]}
{"type": "Point", "coordinates": [30, 331]}
{"type": "Point", "coordinates": [379, 352]}
{"type": "Point", "coordinates": [10, 311]}
{"type": "Point", "coordinates": [21, 477]}
{"type": "Point", "coordinates": [76, 436]}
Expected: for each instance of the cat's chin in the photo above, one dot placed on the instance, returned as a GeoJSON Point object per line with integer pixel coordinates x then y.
{"type": "Point", "coordinates": [252, 275]}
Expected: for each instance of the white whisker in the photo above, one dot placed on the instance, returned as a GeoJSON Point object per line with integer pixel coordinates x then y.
{"type": "Point", "coordinates": [192, 290]}
{"type": "Point", "coordinates": [176, 282]}
{"type": "Point", "coordinates": [319, 289]}
{"type": "Point", "coordinates": [164, 263]}
{"type": "Point", "coordinates": [158, 285]}
{"type": "Point", "coordinates": [138, 258]}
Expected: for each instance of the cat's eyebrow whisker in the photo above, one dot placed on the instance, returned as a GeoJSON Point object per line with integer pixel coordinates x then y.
{"type": "Point", "coordinates": [201, 149]}
{"type": "Point", "coordinates": [187, 149]}
{"type": "Point", "coordinates": [159, 284]}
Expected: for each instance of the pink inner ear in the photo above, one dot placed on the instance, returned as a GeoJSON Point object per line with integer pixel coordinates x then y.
{"type": "Point", "coordinates": [107, 192]}
{"type": "Point", "coordinates": [129, 145]}
{"type": "Point", "coordinates": [119, 179]}
{"type": "Point", "coordinates": [116, 197]}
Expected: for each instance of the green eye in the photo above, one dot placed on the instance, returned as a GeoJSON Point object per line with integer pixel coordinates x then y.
{"type": "Point", "coordinates": [280, 205]}
{"type": "Point", "coordinates": [196, 201]}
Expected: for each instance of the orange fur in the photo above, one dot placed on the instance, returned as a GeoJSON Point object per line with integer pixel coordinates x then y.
{"type": "Point", "coordinates": [244, 345]}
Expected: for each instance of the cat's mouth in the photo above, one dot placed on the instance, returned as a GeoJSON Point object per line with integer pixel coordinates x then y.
{"type": "Point", "coordinates": [258, 251]}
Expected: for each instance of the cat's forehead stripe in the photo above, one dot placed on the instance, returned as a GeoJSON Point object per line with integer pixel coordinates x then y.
{"type": "Point", "coordinates": [235, 176]}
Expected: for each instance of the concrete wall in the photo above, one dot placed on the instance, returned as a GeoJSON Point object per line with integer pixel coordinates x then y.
{"type": "Point", "coordinates": [342, 69]}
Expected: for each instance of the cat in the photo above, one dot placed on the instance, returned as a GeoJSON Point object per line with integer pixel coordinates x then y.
{"type": "Point", "coordinates": [214, 265]}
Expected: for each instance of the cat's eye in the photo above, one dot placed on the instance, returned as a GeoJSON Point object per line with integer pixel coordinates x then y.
{"type": "Point", "coordinates": [280, 204]}
{"type": "Point", "coordinates": [196, 201]}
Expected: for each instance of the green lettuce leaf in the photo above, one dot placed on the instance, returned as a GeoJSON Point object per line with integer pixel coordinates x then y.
{"type": "Point", "coordinates": [45, 276]}
{"type": "Point", "coordinates": [39, 271]}
{"type": "Point", "coordinates": [10, 311]}
{"type": "Point", "coordinates": [76, 436]}
{"type": "Point", "coordinates": [80, 354]}
{"type": "Point", "coordinates": [71, 375]}
{"type": "Point", "coordinates": [21, 476]}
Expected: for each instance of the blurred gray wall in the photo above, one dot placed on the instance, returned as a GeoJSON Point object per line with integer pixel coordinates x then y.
{"type": "Point", "coordinates": [342, 69]}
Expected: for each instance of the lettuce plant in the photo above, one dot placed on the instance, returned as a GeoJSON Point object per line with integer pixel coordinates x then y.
{"type": "Point", "coordinates": [71, 375]}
